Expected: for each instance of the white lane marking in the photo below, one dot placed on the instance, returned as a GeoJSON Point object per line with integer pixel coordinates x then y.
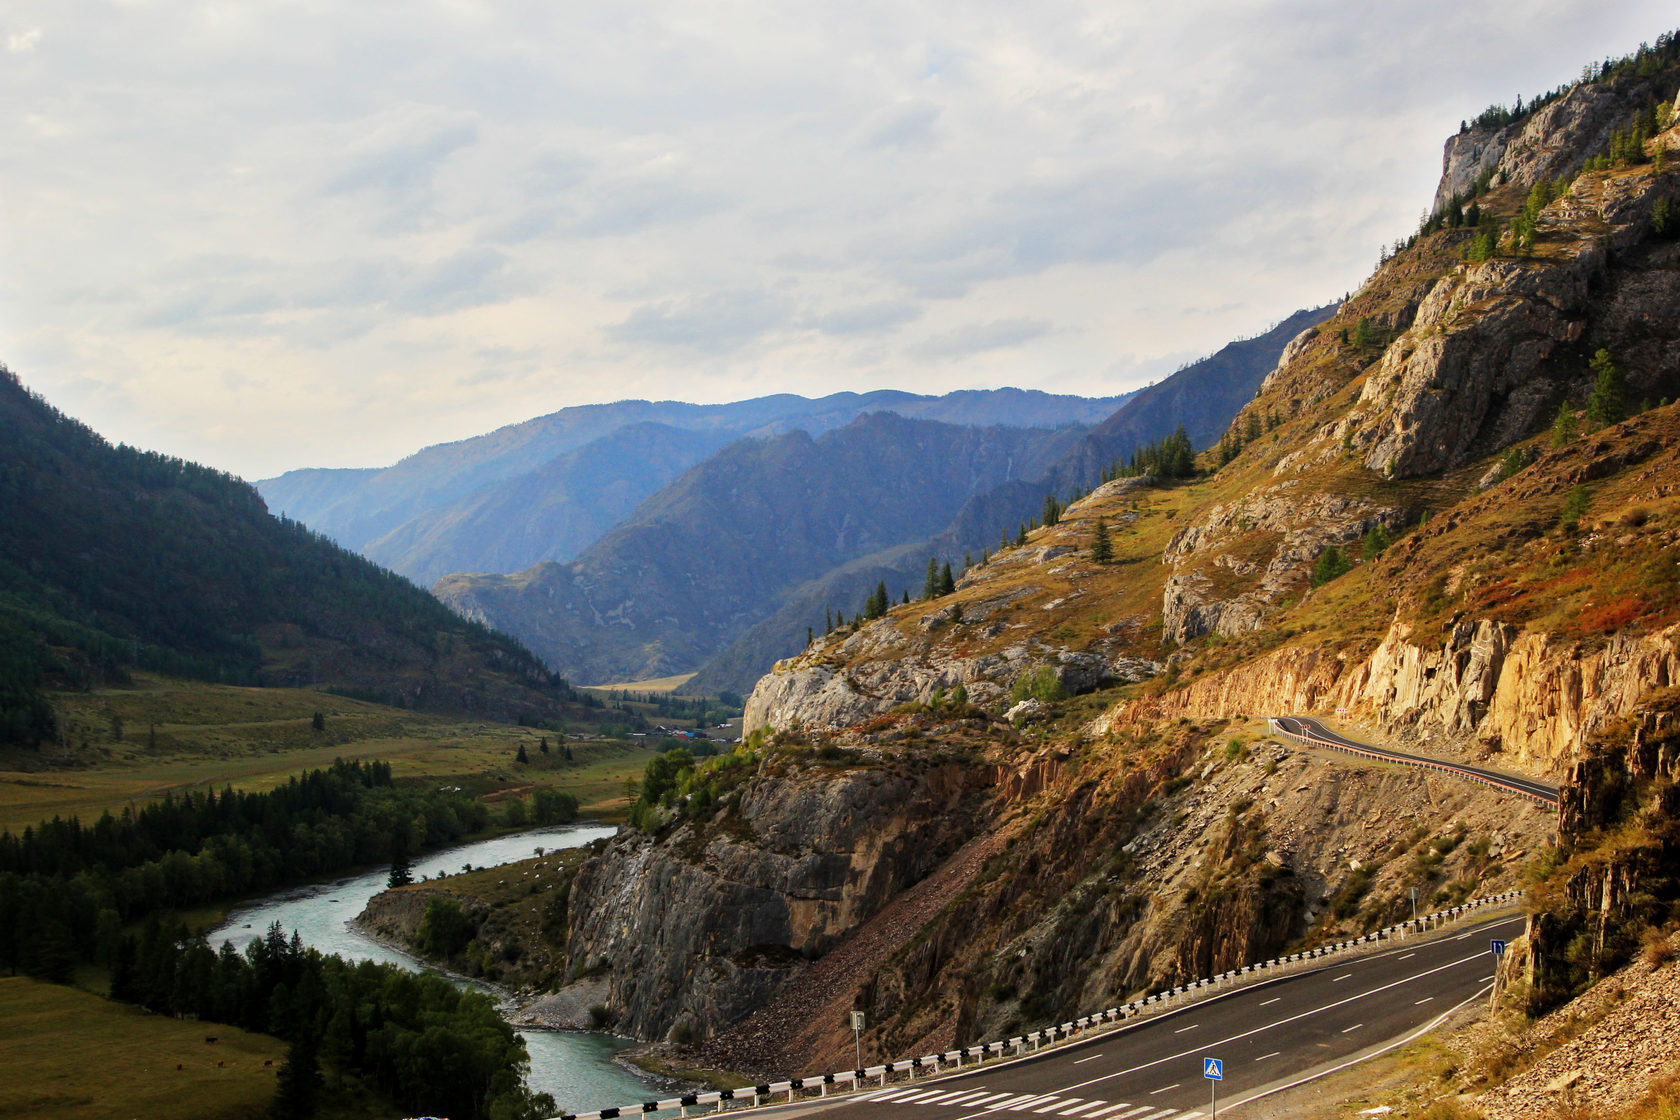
{"type": "Point", "coordinates": [942, 1098]}
{"type": "Point", "coordinates": [994, 1099]}
{"type": "Point", "coordinates": [1134, 1112]}
{"type": "Point", "coordinates": [1191, 1027]}
{"type": "Point", "coordinates": [1423, 1001]}
{"type": "Point", "coordinates": [1273, 1054]}
{"type": "Point", "coordinates": [1484, 980]}
{"type": "Point", "coordinates": [1163, 1089]}
{"type": "Point", "coordinates": [891, 1093]}
{"type": "Point", "coordinates": [1339, 979]}
{"type": "Point", "coordinates": [967, 1098]}
{"type": "Point", "coordinates": [919, 1097]}
{"type": "Point", "coordinates": [1082, 1061]}
{"type": "Point", "coordinates": [1109, 1109]}
{"type": "Point", "coordinates": [1274, 999]}
{"type": "Point", "coordinates": [1161, 1115]}
{"type": "Point", "coordinates": [1050, 1104]}
{"type": "Point", "coordinates": [1078, 1108]}
{"type": "Point", "coordinates": [1353, 1028]}
{"type": "Point", "coordinates": [1407, 957]}
{"type": "Point", "coordinates": [1395, 1045]}
{"type": "Point", "coordinates": [1279, 1023]}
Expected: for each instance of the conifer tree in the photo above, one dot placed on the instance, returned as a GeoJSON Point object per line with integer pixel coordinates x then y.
{"type": "Point", "coordinates": [947, 583]}
{"type": "Point", "coordinates": [1102, 550]}
{"type": "Point", "coordinates": [930, 586]}
{"type": "Point", "coordinates": [1021, 534]}
{"type": "Point", "coordinates": [1563, 427]}
{"type": "Point", "coordinates": [1052, 510]}
{"type": "Point", "coordinates": [521, 755]}
{"type": "Point", "coordinates": [1607, 404]}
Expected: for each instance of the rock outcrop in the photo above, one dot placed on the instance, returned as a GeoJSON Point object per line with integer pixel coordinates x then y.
{"type": "Point", "coordinates": [702, 924]}
{"type": "Point", "coordinates": [1486, 686]}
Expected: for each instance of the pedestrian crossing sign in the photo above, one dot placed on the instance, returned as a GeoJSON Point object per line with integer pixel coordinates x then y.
{"type": "Point", "coordinates": [1213, 1069]}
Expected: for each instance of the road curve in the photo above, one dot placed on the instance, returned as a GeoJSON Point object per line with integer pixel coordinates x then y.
{"type": "Point", "coordinates": [1270, 1036]}
{"type": "Point", "coordinates": [1315, 733]}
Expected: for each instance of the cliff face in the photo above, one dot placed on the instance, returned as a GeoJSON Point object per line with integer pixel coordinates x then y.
{"type": "Point", "coordinates": [703, 923]}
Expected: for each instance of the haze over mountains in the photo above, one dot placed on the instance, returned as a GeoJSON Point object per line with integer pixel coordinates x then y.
{"type": "Point", "coordinates": [547, 488]}
{"type": "Point", "coordinates": [641, 540]}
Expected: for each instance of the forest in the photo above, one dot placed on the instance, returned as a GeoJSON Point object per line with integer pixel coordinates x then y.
{"type": "Point", "coordinates": [112, 558]}
{"type": "Point", "coordinates": [72, 894]}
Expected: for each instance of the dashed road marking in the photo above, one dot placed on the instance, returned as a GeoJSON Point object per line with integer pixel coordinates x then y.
{"type": "Point", "coordinates": [1092, 1058]}
{"type": "Point", "coordinates": [1423, 1001]}
{"type": "Point", "coordinates": [1273, 1054]}
{"type": "Point", "coordinates": [1339, 979]}
{"type": "Point", "coordinates": [1191, 1027]}
{"type": "Point", "coordinates": [1274, 999]}
{"type": "Point", "coordinates": [1163, 1089]}
{"type": "Point", "coordinates": [1353, 1028]}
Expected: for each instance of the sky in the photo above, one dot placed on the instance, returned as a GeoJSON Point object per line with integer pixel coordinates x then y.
{"type": "Point", "coordinates": [267, 236]}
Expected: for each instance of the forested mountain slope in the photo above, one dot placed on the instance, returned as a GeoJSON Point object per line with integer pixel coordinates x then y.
{"type": "Point", "coordinates": [1204, 395]}
{"type": "Point", "coordinates": [112, 557]}
{"type": "Point", "coordinates": [716, 550]}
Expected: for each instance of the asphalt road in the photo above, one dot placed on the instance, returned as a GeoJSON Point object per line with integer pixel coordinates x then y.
{"type": "Point", "coordinates": [1311, 727]}
{"type": "Point", "coordinates": [1269, 1036]}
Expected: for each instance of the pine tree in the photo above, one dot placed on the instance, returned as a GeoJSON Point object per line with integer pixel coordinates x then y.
{"type": "Point", "coordinates": [299, 1081]}
{"type": "Point", "coordinates": [1607, 404]}
{"type": "Point", "coordinates": [947, 583]}
{"type": "Point", "coordinates": [959, 696]}
{"type": "Point", "coordinates": [1102, 550]}
{"type": "Point", "coordinates": [1332, 564]}
{"type": "Point", "coordinates": [828, 621]}
{"type": "Point", "coordinates": [930, 586]}
{"type": "Point", "coordinates": [1375, 541]}
{"type": "Point", "coordinates": [1251, 427]}
{"type": "Point", "coordinates": [1563, 427]}
{"type": "Point", "coordinates": [1052, 510]}
{"type": "Point", "coordinates": [906, 599]}
{"type": "Point", "coordinates": [1021, 534]}
{"type": "Point", "coordinates": [402, 872]}
{"type": "Point", "coordinates": [521, 756]}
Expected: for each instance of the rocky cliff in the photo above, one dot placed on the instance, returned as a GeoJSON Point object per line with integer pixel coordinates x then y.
{"type": "Point", "coordinates": [1443, 512]}
{"type": "Point", "coordinates": [702, 922]}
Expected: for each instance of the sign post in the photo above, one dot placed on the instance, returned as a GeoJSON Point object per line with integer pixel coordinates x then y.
{"type": "Point", "coordinates": [1414, 893]}
{"type": "Point", "coordinates": [1214, 1070]}
{"type": "Point", "coordinates": [1497, 947]}
{"type": "Point", "coordinates": [857, 1035]}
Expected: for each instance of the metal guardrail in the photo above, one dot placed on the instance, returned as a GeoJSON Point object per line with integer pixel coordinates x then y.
{"type": "Point", "coordinates": [817, 1086]}
{"type": "Point", "coordinates": [1423, 763]}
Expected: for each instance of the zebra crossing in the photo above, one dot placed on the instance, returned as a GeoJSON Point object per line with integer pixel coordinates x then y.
{"type": "Point", "coordinates": [983, 1101]}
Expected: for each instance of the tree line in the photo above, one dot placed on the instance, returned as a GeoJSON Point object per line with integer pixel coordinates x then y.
{"type": "Point", "coordinates": [72, 893]}
{"type": "Point", "coordinates": [429, 1046]}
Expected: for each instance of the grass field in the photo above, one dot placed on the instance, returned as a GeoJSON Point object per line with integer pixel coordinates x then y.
{"type": "Point", "coordinates": [134, 744]}
{"type": "Point", "coordinates": [71, 1054]}
{"type": "Point", "coordinates": [657, 684]}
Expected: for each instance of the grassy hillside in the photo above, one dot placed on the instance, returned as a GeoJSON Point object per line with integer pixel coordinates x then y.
{"type": "Point", "coordinates": [113, 559]}
{"type": "Point", "coordinates": [50, 1033]}
{"type": "Point", "coordinates": [156, 736]}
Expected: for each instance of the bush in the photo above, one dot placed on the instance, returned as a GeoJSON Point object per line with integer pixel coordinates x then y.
{"type": "Point", "coordinates": [1042, 684]}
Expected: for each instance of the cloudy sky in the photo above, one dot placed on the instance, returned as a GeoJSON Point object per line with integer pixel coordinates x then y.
{"type": "Point", "coordinates": [323, 234]}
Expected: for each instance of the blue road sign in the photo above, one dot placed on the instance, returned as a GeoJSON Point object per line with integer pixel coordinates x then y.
{"type": "Point", "coordinates": [1497, 947]}
{"type": "Point", "coordinates": [1213, 1069]}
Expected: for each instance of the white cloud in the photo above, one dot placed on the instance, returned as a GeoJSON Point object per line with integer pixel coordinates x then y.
{"type": "Point", "coordinates": [268, 236]}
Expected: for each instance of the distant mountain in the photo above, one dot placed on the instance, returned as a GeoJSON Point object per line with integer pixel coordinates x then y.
{"type": "Point", "coordinates": [1206, 395]}
{"type": "Point", "coordinates": [547, 488]}
{"type": "Point", "coordinates": [112, 557]}
{"type": "Point", "coordinates": [721, 548]}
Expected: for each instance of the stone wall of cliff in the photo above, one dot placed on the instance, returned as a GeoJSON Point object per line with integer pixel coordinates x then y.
{"type": "Point", "coordinates": [1485, 686]}
{"type": "Point", "coordinates": [707, 920]}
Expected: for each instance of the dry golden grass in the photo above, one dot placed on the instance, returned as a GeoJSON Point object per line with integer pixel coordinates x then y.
{"type": "Point", "coordinates": [177, 736]}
